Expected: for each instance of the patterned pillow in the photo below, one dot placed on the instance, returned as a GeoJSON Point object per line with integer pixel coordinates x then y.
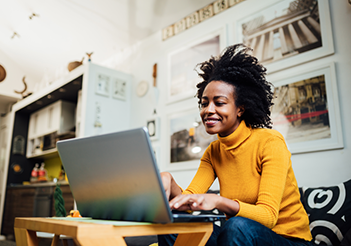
{"type": "Point", "coordinates": [329, 210]}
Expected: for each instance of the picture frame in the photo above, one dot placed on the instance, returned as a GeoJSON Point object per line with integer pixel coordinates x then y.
{"type": "Point", "coordinates": [306, 108]}
{"type": "Point", "coordinates": [182, 76]}
{"type": "Point", "coordinates": [102, 85]}
{"type": "Point", "coordinates": [119, 89]}
{"type": "Point", "coordinates": [153, 127]}
{"type": "Point", "coordinates": [280, 39]}
{"type": "Point", "coordinates": [188, 139]}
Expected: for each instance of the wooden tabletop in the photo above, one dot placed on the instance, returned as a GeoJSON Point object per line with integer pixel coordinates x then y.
{"type": "Point", "coordinates": [86, 232]}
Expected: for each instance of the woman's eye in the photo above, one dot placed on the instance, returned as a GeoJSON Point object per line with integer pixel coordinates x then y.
{"type": "Point", "coordinates": [204, 104]}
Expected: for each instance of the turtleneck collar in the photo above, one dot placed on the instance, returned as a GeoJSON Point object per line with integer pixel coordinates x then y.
{"type": "Point", "coordinates": [237, 137]}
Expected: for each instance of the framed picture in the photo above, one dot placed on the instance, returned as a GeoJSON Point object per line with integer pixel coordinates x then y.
{"type": "Point", "coordinates": [102, 85]}
{"type": "Point", "coordinates": [306, 108]}
{"type": "Point", "coordinates": [119, 89]}
{"type": "Point", "coordinates": [188, 139]}
{"type": "Point", "coordinates": [153, 127]}
{"type": "Point", "coordinates": [182, 63]}
{"type": "Point", "coordinates": [288, 33]}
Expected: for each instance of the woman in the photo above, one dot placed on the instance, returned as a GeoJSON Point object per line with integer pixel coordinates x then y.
{"type": "Point", "coordinates": [258, 190]}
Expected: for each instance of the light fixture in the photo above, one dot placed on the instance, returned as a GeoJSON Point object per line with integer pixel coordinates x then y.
{"type": "Point", "coordinates": [196, 149]}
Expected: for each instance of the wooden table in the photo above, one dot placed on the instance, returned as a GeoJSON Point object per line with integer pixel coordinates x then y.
{"type": "Point", "coordinates": [86, 232]}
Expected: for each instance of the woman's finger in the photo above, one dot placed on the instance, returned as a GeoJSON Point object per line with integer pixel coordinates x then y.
{"type": "Point", "coordinates": [192, 200]}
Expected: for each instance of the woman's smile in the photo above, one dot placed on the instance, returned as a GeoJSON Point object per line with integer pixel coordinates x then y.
{"type": "Point", "coordinates": [211, 121]}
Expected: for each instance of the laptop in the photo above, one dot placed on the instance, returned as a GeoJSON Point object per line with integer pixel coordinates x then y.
{"type": "Point", "coordinates": [114, 176]}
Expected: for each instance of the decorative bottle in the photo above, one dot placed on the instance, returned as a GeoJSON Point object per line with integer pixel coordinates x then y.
{"type": "Point", "coordinates": [35, 173]}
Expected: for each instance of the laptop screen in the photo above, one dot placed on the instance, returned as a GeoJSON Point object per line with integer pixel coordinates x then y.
{"type": "Point", "coordinates": [115, 176]}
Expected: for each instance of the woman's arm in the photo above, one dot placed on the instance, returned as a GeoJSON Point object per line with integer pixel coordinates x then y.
{"type": "Point", "coordinates": [172, 189]}
{"type": "Point", "coordinates": [275, 166]}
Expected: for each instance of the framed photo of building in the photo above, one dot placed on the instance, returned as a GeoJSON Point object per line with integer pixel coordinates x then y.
{"type": "Point", "coordinates": [288, 33]}
{"type": "Point", "coordinates": [306, 108]}
{"type": "Point", "coordinates": [188, 139]}
{"type": "Point", "coordinates": [182, 76]}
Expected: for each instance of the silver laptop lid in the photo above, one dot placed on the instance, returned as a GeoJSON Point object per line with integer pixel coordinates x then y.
{"type": "Point", "coordinates": [115, 176]}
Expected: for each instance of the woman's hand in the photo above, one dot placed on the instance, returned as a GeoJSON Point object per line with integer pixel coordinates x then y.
{"type": "Point", "coordinates": [205, 202]}
{"type": "Point", "coordinates": [171, 187]}
{"type": "Point", "coordinates": [195, 202]}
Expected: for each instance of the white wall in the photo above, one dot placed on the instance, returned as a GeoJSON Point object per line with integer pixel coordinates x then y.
{"type": "Point", "coordinates": [14, 75]}
{"type": "Point", "coordinates": [311, 169]}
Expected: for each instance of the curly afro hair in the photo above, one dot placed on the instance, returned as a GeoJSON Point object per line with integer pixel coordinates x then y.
{"type": "Point", "coordinates": [237, 67]}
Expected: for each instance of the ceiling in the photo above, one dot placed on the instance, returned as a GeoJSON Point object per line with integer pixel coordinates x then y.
{"type": "Point", "coordinates": [43, 36]}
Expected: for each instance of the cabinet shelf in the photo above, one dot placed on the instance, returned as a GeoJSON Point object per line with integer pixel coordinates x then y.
{"type": "Point", "coordinates": [45, 154]}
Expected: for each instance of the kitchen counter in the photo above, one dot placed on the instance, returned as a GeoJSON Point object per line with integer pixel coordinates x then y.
{"type": "Point", "coordinates": [39, 184]}
{"type": "Point", "coordinates": [32, 200]}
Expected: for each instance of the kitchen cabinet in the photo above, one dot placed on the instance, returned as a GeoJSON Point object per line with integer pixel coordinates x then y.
{"type": "Point", "coordinates": [98, 107]}
{"type": "Point", "coordinates": [48, 124]}
{"type": "Point", "coordinates": [24, 201]}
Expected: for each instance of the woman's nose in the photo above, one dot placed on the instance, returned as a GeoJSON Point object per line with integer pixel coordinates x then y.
{"type": "Point", "coordinates": [211, 108]}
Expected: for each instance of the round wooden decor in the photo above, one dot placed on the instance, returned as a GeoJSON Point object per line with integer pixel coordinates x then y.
{"type": "Point", "coordinates": [2, 73]}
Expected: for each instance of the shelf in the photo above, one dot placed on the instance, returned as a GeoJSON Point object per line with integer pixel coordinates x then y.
{"type": "Point", "coordinates": [45, 154]}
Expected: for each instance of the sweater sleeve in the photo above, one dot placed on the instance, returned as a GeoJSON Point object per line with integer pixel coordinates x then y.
{"type": "Point", "coordinates": [274, 161]}
{"type": "Point", "coordinates": [204, 176]}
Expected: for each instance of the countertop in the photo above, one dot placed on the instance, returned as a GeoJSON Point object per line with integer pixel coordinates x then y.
{"type": "Point", "coordinates": [39, 184]}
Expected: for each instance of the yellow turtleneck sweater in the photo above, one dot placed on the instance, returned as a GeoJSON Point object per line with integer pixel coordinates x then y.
{"type": "Point", "coordinates": [253, 167]}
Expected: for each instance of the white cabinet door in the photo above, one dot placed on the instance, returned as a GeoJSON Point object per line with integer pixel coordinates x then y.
{"type": "Point", "coordinates": [33, 125]}
{"type": "Point", "coordinates": [52, 115]}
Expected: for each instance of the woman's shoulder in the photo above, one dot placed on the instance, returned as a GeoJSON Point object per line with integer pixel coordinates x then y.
{"type": "Point", "coordinates": [265, 133]}
{"type": "Point", "coordinates": [214, 144]}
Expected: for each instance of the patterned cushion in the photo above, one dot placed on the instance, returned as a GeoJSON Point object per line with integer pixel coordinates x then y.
{"type": "Point", "coordinates": [329, 210]}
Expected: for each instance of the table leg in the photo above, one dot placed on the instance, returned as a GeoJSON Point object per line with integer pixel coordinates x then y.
{"type": "Point", "coordinates": [25, 237]}
{"type": "Point", "coordinates": [55, 240]}
{"type": "Point", "coordinates": [192, 239]}
{"type": "Point", "coordinates": [64, 242]}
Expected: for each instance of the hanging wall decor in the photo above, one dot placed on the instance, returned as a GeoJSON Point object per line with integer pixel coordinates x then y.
{"type": "Point", "coordinates": [2, 73]}
{"type": "Point", "coordinates": [287, 33]}
{"type": "Point", "coordinates": [182, 78]}
{"type": "Point", "coordinates": [198, 16]}
{"type": "Point", "coordinates": [306, 108]}
{"type": "Point", "coordinates": [23, 94]}
{"type": "Point", "coordinates": [188, 139]}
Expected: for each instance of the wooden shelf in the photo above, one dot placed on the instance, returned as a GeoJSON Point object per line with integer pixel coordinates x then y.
{"type": "Point", "coordinates": [45, 154]}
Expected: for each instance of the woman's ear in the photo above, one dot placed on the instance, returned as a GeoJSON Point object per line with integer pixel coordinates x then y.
{"type": "Point", "coordinates": [241, 110]}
